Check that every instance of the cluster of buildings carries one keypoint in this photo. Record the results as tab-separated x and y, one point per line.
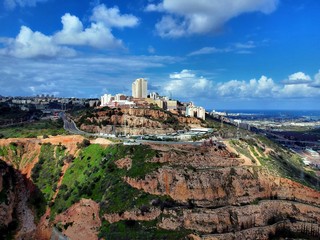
45	102
194	111
141	98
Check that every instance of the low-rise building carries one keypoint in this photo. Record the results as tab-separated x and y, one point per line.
194	111
106	99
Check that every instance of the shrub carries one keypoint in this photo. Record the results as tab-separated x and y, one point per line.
84	143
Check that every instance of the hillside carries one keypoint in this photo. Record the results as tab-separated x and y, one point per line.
134	121
239	189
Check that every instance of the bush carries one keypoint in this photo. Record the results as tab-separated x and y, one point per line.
69	158
85	143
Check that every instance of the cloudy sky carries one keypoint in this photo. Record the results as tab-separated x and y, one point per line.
230	54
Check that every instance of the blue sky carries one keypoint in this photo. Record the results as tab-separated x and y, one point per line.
249	54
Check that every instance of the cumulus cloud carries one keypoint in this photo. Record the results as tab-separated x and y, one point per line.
187	84
198	17
267	88
255	88
111	17
98	34
316	82
299	91
11	4
298	78
29	44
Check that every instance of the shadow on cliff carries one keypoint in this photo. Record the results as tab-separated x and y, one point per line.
16	188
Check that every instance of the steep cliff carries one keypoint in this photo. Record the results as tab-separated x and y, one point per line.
8	200
215	191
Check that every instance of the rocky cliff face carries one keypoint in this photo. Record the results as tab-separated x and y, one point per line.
223	199
7	196
16	217
81	221
135	121
208	191
20	199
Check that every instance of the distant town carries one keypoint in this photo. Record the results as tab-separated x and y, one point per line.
139	99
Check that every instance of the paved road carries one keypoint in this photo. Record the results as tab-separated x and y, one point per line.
70	126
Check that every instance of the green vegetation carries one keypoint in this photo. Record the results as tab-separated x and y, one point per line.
242	147
3	151
138	230
46	172
279	161
83	144
94	175
14	150
34	129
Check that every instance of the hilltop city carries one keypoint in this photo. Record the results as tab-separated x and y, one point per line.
141	98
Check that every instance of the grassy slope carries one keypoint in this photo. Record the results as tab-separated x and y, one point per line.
94	175
47	171
280	161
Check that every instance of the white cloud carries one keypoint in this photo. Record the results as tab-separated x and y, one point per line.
299	76
267	88
247	45
198	17
29	44
316	82
299	91
97	35
185	73
11	4
263	87
187	84
154	7
241	48
169	27
209	50
111	17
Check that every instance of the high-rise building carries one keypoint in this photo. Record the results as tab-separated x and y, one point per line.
140	88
